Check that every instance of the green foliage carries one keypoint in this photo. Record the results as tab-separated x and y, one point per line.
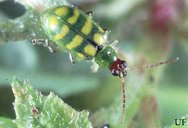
22	28
7	123
38	111
27	26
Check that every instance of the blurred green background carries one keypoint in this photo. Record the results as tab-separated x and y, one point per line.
148	31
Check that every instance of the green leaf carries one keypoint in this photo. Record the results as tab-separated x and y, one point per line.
38	111
25	27
7	123
28	26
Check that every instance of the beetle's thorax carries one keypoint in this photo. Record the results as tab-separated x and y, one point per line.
107	58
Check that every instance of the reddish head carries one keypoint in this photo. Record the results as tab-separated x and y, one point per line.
118	68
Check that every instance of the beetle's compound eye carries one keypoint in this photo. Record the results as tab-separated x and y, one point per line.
124	64
123	74
106	126
115	72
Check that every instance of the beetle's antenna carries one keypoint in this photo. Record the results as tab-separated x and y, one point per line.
123	99
154	65
140	68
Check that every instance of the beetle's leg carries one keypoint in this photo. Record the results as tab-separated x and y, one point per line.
94	67
49	47
43	42
72	59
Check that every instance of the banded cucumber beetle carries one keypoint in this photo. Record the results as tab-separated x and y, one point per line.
77	33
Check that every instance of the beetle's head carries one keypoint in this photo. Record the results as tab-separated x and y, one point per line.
118	68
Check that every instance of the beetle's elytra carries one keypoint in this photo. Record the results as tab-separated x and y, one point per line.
74	31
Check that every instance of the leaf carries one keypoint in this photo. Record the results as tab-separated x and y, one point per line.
38	111
7	123
27	26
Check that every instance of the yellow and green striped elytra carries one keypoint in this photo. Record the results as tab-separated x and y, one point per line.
73	30
77	33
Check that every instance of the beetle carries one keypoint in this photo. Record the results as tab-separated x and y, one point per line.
75	32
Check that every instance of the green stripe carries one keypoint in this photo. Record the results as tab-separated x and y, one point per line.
62	21
80	49
68	38
95	28
80	23
93	31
